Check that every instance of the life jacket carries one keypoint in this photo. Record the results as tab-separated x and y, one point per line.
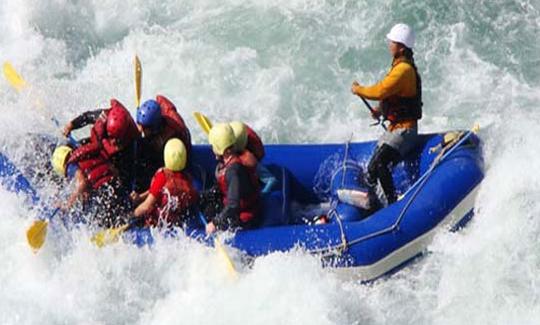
177	196
97	171
99	143
396	108
175	127
248	205
254	144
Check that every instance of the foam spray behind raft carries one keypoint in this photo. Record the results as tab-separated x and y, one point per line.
286	68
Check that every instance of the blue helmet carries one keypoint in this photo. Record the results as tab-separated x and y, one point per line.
149	114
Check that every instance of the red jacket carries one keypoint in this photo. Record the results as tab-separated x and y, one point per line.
175	194
175	127
100	144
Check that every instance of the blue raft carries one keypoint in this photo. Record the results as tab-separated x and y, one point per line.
438	184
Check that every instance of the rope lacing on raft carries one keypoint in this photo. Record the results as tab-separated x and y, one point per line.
419	184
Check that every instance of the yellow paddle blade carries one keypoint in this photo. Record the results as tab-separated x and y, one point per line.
13	77
203	121
108	236
36	234
138	77
226	257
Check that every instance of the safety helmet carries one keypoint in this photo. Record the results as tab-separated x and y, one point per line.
240	133
59	159
149	114
174	155
118	123
402	33
221	137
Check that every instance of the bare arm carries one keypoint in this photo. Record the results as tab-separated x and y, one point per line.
145	207
79	190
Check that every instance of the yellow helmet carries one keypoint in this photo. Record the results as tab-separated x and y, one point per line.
174	155
240	133
221	137
59	158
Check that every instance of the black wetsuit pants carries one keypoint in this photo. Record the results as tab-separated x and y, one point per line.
379	169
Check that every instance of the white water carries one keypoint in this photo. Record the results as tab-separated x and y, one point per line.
285	67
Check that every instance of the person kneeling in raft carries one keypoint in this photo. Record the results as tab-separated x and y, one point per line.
171	198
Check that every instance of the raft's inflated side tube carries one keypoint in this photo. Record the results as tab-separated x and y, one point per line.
348	176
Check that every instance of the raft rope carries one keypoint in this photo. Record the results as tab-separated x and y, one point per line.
419	184
344	245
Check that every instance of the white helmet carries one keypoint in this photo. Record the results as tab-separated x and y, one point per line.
402	33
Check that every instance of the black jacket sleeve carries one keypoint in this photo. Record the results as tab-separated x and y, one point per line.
89	117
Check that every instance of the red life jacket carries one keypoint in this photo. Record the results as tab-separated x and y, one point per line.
248	205
175	127
177	196
254	144
97	171
99	143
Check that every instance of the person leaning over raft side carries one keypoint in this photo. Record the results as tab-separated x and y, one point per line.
400	95
158	121
112	136
171	198
237	183
97	186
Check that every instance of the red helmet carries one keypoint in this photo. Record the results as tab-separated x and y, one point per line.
119	122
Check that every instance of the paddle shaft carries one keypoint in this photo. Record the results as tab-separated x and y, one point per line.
372	111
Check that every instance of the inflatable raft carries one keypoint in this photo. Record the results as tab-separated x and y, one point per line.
437	184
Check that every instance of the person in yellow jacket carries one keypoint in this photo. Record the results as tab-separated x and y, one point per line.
400	96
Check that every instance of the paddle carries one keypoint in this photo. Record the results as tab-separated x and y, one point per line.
203	121
13	77
17	82
112	235
380	122
37	232
221	250
138	77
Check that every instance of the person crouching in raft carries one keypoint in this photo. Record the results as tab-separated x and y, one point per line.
158	121
171	198
112	136
400	95
250	151
97	186
238	183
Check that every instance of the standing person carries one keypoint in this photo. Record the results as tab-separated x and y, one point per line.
237	183
400	96
158	121
112	137
171	197
97	186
